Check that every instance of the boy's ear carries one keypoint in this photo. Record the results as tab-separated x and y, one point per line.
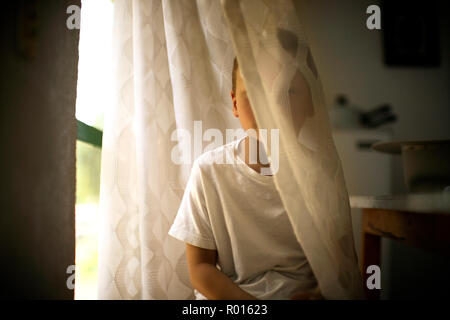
233	99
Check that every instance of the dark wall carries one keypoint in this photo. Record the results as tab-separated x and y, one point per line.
38	76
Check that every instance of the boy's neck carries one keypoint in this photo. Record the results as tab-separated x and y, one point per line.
260	163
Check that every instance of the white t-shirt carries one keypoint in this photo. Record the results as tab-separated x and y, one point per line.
237	211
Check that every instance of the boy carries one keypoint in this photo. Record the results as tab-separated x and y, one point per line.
239	241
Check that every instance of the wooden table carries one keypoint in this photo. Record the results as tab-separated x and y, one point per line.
420	220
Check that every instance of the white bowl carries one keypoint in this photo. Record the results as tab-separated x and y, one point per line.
426	164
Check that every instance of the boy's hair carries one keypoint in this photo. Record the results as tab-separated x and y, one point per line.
288	41
233	75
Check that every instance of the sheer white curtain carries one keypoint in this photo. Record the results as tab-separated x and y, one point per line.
285	92
173	67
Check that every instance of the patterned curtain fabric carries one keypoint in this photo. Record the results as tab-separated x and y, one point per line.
173	69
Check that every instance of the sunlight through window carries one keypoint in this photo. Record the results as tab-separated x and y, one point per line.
93	96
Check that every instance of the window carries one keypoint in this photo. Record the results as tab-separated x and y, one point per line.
93	96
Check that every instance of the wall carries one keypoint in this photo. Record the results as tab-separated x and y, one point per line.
349	58
38	134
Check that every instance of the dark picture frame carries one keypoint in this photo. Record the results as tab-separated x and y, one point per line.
410	33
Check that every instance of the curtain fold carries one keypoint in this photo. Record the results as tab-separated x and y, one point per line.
173	70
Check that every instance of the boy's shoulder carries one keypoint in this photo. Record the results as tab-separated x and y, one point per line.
209	166
219	155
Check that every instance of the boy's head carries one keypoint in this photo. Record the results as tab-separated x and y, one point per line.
241	104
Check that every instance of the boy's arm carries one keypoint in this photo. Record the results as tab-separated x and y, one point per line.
210	281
